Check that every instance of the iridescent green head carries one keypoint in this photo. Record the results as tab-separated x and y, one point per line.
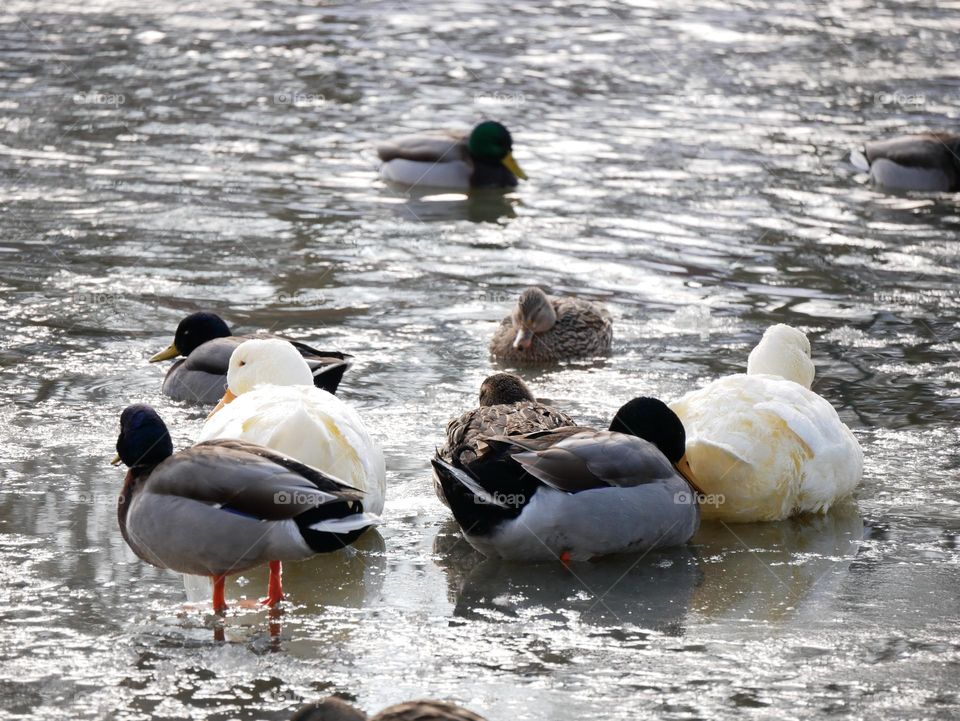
490	142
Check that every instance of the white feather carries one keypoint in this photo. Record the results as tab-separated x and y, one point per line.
347	524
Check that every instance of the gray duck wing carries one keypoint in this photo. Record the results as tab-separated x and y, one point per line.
425	147
466	434
213	356
248	479
931	150
574	460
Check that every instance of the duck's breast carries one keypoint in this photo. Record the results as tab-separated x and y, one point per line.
454	174
889	174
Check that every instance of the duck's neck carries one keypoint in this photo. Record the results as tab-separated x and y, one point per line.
131	485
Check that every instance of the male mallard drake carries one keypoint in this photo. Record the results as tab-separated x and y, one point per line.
576	493
507	408
927	161
333	709
452	159
271	400
762	443
225	506
542	329
206	342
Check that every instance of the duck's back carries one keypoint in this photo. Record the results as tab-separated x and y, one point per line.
769	447
308	424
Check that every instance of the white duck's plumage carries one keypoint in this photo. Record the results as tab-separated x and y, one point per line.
278	407
762	445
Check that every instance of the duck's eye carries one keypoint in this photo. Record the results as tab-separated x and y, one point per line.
242	363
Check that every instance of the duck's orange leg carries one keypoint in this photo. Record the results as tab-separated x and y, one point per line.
274	585
219	602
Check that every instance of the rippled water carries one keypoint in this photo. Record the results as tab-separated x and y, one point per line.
688	167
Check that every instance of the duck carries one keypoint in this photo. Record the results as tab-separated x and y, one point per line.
271	400
507	407
452	159
545	329
224	506
925	161
205	342
762	444
335	709
577	493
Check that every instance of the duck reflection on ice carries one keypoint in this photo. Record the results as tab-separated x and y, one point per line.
346	578
653	591
773	571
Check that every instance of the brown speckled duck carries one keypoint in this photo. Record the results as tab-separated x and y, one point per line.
507	408
333	709
542	329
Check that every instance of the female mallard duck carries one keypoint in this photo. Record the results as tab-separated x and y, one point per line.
542	329
507	408
271	401
928	161
452	159
225	506
333	709
765	446
206	342
577	493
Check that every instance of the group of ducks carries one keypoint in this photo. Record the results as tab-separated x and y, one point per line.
284	469
483	158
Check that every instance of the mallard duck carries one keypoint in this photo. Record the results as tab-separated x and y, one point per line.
333	709
543	329
763	445
452	159
927	161
206	342
224	506
577	493
271	400
507	408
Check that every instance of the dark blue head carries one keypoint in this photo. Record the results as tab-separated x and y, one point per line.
198	328
652	420
144	439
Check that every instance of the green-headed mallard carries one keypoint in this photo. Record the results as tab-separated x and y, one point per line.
763	445
271	400
206	342
224	506
577	493
543	329
926	161
452	159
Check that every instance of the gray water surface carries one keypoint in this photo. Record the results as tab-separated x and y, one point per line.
688	168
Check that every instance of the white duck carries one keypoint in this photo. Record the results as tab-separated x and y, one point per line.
762	445
271	400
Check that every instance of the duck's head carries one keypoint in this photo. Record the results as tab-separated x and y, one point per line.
534	314
783	351
264	361
192	332
144	439
503	389
329	709
491	142
652	420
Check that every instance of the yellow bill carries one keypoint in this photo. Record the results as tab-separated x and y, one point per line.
166	354
684	469
115	461
512	165
227	397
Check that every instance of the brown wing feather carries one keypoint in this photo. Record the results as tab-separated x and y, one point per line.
426	711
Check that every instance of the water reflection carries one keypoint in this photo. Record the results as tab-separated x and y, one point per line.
651	592
775	571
